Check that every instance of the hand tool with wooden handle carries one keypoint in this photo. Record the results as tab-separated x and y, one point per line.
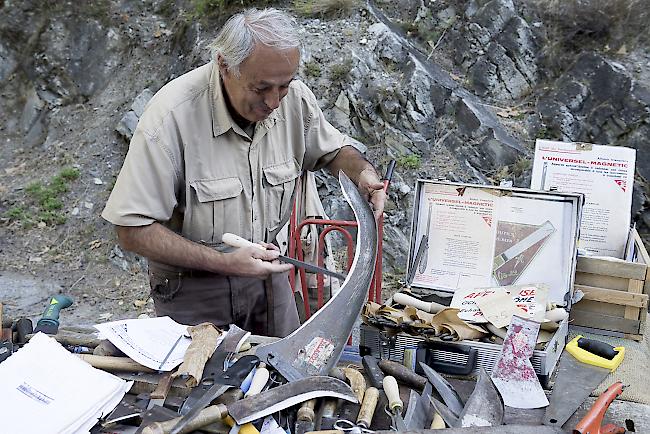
408	300
306	417
237	241
158	396
402	374
395	404
263	404
368	406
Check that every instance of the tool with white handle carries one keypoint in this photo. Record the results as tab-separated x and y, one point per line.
237	241
408	300
395	404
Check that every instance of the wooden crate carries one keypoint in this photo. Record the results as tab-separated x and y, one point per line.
616	294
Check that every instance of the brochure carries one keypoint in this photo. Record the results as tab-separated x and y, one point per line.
605	175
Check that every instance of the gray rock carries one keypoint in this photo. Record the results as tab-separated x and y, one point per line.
141	101
126	126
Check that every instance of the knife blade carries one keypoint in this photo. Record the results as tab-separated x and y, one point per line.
237	241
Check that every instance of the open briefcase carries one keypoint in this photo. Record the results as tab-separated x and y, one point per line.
466	236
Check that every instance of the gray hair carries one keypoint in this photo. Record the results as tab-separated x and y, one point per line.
238	37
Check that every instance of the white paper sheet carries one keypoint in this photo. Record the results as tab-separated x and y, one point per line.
605	175
149	340
44	388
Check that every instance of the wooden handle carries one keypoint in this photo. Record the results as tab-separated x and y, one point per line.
402	373
109	363
237	241
392	393
162	389
207	416
408	300
259	381
357	382
437	422
368	406
306	411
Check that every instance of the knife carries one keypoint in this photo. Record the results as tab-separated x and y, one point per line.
539	234
422	266
237	241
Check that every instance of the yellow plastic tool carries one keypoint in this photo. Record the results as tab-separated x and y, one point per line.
584	356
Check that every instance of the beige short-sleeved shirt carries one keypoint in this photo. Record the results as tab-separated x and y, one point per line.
191	168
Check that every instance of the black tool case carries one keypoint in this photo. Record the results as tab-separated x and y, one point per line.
450	215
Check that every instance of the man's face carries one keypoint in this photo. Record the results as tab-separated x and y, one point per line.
263	81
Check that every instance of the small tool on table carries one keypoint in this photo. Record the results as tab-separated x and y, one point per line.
395	404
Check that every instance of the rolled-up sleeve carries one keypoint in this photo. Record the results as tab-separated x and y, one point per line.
145	190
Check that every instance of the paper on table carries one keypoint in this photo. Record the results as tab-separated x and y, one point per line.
148	340
46	389
530	299
499	308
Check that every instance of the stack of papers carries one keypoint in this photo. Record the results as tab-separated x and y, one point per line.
46	389
157	343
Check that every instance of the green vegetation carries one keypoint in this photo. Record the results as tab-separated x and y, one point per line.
340	71
409	162
311	8
43	202
209	8
312	69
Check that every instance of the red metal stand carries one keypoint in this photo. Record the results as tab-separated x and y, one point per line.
295	251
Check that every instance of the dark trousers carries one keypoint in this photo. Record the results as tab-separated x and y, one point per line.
262	307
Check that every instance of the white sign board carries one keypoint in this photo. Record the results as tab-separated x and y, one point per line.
605	175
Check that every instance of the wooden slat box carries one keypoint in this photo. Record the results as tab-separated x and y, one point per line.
616	294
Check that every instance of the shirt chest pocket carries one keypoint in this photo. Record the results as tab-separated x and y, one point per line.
215	209
279	185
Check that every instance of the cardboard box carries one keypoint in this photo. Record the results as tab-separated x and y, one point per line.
616	294
471	234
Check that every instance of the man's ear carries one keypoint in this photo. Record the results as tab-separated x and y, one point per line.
223	68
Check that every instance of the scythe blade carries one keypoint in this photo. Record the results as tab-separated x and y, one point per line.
316	346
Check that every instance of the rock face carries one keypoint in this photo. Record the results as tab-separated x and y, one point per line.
444	88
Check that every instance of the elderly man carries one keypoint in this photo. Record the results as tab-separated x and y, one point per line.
219	150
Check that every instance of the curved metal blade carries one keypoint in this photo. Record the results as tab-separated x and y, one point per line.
484	406
444	389
287	395
316	346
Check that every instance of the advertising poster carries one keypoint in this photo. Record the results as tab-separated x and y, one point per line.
605	175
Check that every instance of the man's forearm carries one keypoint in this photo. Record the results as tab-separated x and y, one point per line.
160	244
351	162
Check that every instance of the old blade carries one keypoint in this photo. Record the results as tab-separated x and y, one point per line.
289	394
484	406
410	408
316	346
444	389
514	375
423	413
447	415
213	393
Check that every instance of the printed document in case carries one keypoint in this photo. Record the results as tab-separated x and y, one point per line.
605	175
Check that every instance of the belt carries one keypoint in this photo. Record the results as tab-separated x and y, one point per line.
171	271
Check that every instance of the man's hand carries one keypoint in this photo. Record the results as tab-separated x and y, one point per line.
255	262
373	190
